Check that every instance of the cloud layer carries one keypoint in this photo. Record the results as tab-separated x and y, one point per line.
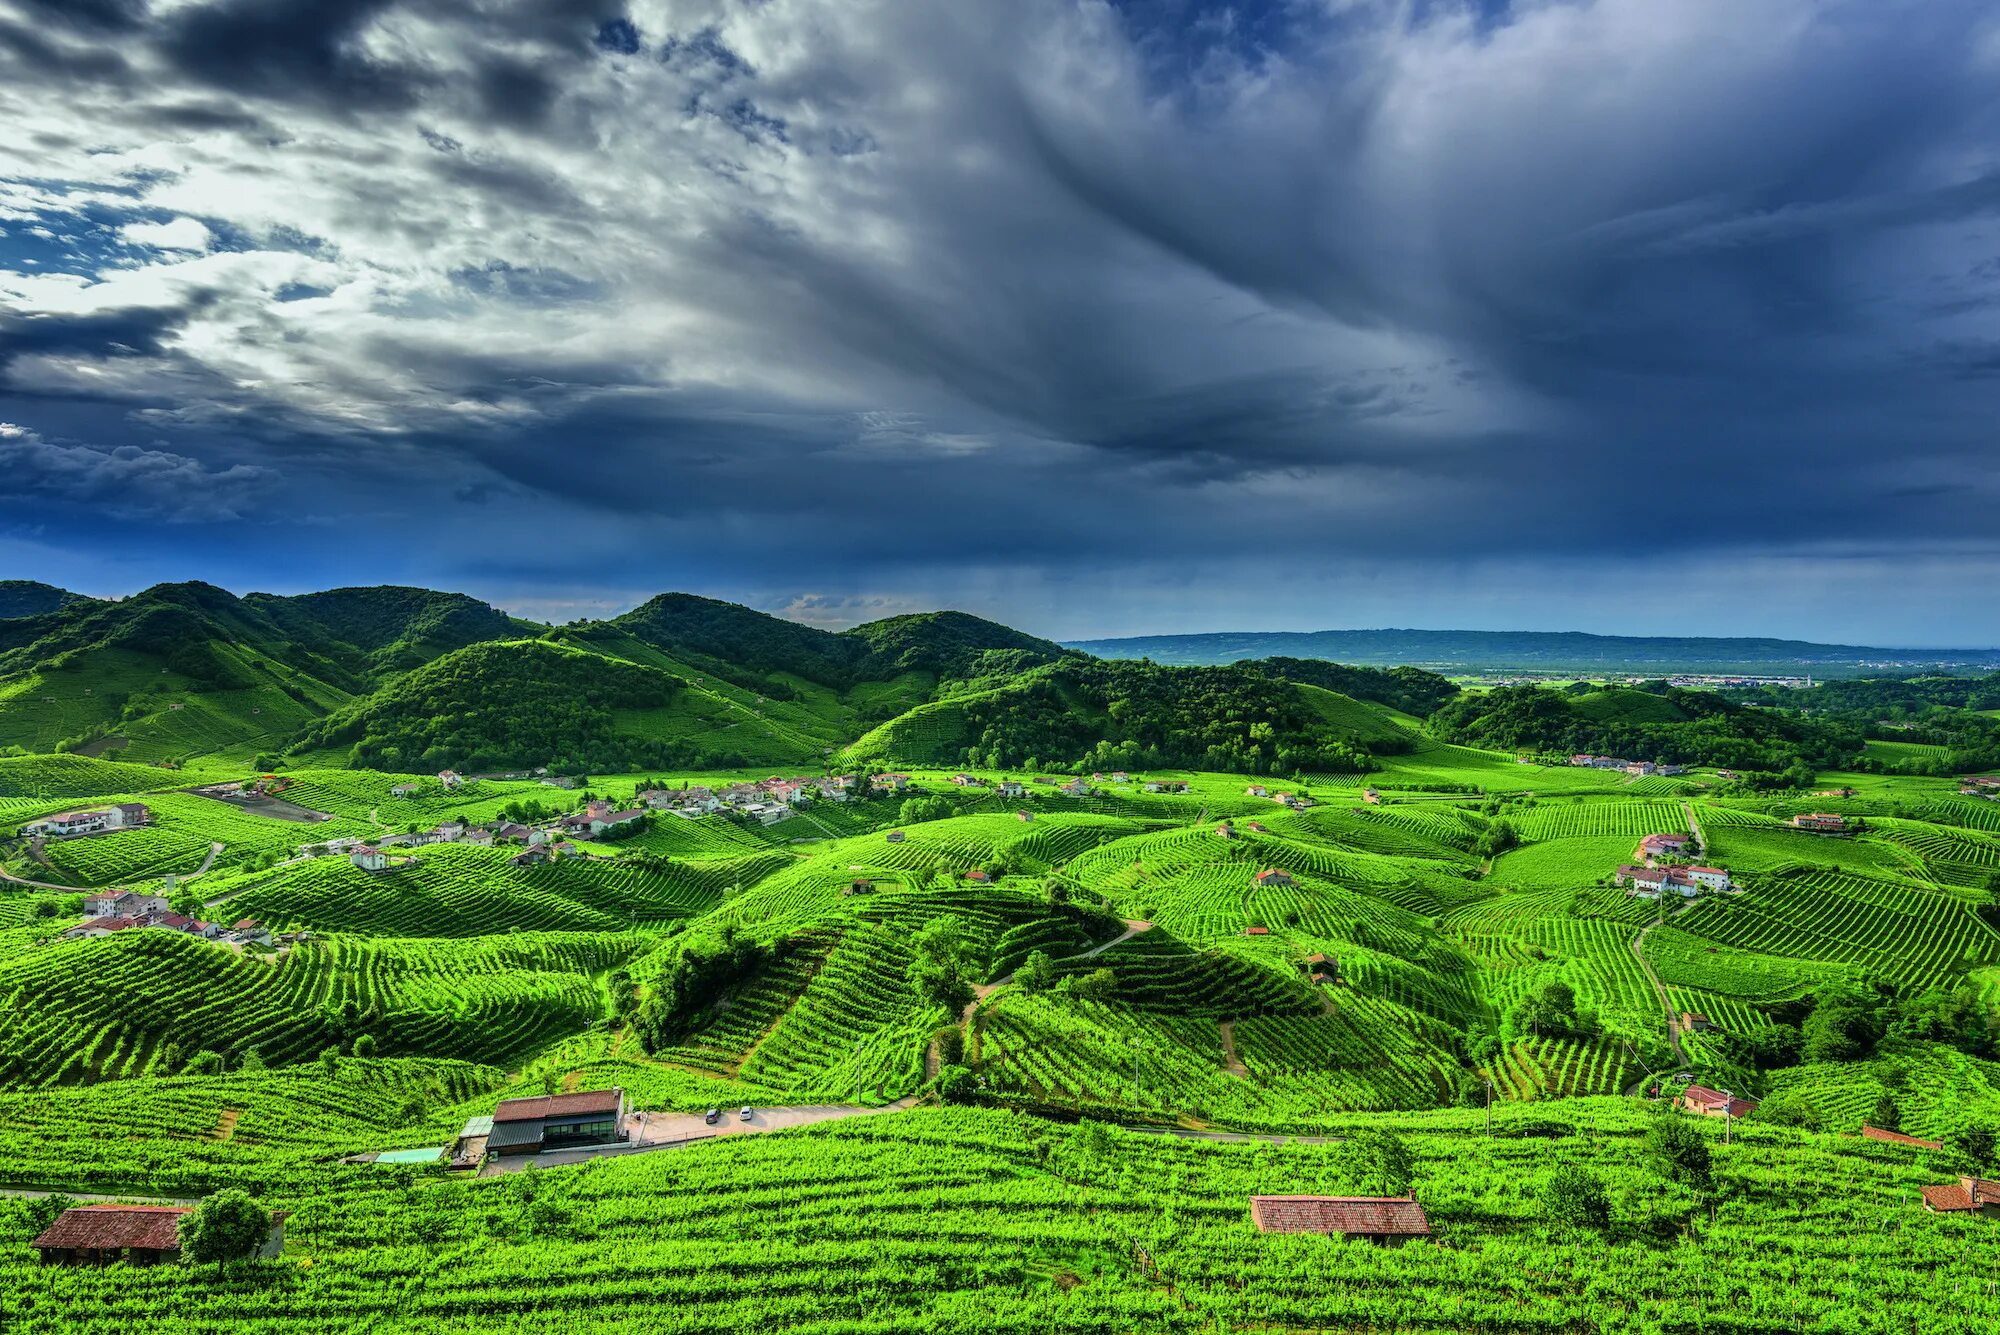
1259	315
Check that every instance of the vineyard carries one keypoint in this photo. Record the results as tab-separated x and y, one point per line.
1386	976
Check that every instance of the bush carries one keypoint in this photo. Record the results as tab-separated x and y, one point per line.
225	1227
1573	1197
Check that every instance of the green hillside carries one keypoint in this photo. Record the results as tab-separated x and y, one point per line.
386	629
28	598
509	705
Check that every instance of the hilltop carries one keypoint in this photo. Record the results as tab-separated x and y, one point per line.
28	598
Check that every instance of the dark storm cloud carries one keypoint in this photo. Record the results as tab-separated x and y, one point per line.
897	289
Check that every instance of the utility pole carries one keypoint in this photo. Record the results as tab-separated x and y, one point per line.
857	1071
1728	1103
1489	1105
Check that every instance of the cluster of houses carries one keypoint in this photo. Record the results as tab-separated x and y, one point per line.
1980	785
1633	767
1293	800
129	910
100	820
1821	822
766	801
1651	874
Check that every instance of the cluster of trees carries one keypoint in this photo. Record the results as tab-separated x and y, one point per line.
1710	730
1855	1022
506	706
698	974
1082	714
1408	689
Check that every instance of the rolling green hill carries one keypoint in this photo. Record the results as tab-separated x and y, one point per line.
28	598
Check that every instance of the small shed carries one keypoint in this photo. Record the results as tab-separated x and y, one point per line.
1389	1221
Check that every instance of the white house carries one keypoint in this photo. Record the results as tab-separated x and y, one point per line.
451	778
403	790
68	824
369	858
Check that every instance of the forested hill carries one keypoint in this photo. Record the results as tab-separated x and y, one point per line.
1664	724
744	645
27	598
949	644
1551	651
509	705
388	628
1087	714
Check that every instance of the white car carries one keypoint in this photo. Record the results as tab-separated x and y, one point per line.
745	1114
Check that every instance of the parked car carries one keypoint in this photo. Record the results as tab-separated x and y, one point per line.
712	1116
745	1114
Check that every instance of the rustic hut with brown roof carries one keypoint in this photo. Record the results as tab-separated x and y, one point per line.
1387	1220
101	1234
1898	1138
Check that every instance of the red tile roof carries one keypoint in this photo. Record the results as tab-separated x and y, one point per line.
558	1105
1898	1138
104	1227
1390	1215
1713	1101
1950	1196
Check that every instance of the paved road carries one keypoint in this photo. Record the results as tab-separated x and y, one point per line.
670	1131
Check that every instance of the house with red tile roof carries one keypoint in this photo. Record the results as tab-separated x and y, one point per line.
1273	876
1967	1195
1386	1220
1713	1102
135	1234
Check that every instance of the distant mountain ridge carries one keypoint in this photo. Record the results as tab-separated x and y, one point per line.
1487	650
29	598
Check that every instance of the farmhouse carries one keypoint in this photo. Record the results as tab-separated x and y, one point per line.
1255	827
1322	968
1166	786
1969	1194
1683	881
1371	797
1077	787
1664	845
893	782
1694	1022
403	790
895	836
1024	815
967	781
249	929
71	824
1120	776
1274	876
126	903
1256	930
1898	1138
1820	822
1713	1102
558	1121
978	877
102	927
1011	788
451	778
616	820
534	855
368	857
1256	790
1389	1221
1226	830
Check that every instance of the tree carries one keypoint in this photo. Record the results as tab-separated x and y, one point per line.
227	1226
938	973
1384	1160
1038	972
45	1210
1679	1150
1572	1197
364	1045
955	1085
917	810
1100	984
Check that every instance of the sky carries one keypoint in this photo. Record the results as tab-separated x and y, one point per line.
1094	318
